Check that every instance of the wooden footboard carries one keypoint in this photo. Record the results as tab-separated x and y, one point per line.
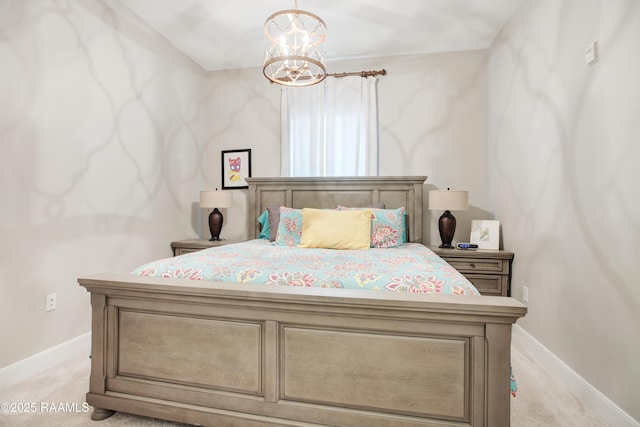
231	354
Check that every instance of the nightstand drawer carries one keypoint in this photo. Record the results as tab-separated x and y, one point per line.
181	251
487	284
182	247
489	271
480	265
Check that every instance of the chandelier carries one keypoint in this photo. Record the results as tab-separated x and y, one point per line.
294	48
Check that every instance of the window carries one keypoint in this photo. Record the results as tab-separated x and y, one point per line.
330	129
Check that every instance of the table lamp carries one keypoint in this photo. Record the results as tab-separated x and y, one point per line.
448	201
214	200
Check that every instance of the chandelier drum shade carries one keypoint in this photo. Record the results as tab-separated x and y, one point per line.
295	44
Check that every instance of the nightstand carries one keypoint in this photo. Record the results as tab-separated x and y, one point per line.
182	247
489	271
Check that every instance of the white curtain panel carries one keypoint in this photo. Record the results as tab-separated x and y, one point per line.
330	129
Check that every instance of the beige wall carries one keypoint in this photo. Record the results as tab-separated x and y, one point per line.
565	147
422	101
101	126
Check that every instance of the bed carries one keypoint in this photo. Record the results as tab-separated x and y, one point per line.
232	354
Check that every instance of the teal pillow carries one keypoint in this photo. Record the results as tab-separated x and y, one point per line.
264	225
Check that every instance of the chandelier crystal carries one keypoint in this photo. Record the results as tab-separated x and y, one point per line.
295	43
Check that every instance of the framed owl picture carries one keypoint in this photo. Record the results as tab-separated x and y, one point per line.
236	166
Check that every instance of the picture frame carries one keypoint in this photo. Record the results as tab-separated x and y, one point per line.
485	234
236	166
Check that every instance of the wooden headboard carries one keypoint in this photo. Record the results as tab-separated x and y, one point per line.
329	192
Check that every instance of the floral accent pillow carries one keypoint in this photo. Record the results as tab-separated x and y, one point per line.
388	228
290	227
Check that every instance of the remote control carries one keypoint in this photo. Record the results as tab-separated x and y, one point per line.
467	246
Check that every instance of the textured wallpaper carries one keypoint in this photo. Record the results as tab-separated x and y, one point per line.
101	129
564	150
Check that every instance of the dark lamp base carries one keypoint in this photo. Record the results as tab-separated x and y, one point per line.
447	229
215	224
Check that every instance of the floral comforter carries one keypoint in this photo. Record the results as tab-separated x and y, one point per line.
411	267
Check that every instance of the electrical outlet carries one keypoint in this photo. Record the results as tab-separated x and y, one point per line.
525	293
50	302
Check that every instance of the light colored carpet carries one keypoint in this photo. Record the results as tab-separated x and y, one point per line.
541	400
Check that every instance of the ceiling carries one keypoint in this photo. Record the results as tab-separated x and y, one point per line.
228	34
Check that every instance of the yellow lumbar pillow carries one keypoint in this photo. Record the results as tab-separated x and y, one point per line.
332	229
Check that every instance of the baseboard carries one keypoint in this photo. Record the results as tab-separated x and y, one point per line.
595	400
44	360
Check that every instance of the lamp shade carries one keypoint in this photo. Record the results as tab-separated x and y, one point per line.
448	200
216	199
